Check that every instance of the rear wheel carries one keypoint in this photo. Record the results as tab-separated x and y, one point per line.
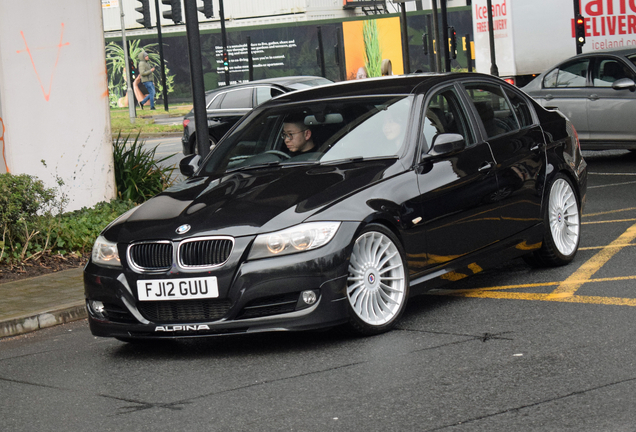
562	225
377	286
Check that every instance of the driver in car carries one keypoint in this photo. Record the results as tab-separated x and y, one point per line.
297	137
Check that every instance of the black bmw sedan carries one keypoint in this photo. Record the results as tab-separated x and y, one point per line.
332	206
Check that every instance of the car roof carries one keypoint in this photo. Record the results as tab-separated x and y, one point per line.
392	85
281	81
619	52
615	51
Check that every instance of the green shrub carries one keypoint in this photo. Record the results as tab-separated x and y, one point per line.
77	230
26	209
32	217
138	175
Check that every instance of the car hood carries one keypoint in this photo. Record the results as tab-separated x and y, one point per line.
247	202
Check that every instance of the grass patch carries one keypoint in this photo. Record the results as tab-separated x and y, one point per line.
145	121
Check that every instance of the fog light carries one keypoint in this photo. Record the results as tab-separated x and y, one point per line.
97	308
309	297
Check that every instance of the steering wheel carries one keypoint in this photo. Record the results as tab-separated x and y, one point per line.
283	155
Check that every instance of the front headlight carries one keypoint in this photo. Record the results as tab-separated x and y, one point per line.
105	253
300	238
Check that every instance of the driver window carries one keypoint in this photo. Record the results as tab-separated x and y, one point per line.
444	114
607	71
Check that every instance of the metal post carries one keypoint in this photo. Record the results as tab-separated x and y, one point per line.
469	53
438	58
250	60
224	39
342	73
129	92
494	70
430	47
444	41
321	55
163	68
196	77
405	42
577	12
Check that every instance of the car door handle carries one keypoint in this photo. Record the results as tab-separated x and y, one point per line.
548	97
593	97
486	166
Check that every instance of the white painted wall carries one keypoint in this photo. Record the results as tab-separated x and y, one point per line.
54	100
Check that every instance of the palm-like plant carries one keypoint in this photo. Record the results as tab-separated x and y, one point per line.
116	64
372	50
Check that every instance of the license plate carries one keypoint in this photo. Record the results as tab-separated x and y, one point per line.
178	289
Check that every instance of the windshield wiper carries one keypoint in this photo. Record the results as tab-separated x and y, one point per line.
357	159
300	163
255	166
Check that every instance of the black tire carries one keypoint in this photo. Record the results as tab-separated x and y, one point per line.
378	282
562	222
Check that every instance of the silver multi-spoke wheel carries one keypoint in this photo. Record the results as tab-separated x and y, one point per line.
562	226
563	216
377	283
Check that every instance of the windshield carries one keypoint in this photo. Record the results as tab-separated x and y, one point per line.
315	132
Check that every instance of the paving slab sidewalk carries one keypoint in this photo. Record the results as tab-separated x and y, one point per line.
44	301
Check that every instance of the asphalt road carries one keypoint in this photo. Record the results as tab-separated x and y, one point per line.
511	348
169	147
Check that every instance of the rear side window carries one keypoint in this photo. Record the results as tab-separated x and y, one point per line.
264	94
493	108
520	108
573	74
237	99
216	101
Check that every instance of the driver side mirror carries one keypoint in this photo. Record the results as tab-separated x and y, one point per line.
623	84
189	164
447	143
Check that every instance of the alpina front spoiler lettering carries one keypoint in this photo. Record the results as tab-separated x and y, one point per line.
181	328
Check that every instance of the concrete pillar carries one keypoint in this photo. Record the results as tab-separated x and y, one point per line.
54	113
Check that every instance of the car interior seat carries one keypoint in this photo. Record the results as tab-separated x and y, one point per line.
487	115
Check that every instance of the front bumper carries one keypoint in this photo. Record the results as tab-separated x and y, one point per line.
254	296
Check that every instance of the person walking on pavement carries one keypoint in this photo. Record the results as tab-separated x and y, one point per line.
147	79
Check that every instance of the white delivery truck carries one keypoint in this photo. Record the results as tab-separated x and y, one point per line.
533	35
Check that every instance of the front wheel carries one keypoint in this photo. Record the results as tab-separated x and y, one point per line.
377	286
562	225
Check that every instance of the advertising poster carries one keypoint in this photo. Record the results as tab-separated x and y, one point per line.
368	42
608	24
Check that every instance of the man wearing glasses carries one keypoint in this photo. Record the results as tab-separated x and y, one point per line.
297	136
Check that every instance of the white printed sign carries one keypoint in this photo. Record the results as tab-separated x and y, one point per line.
110	3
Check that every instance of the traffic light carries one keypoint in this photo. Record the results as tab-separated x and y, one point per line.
144	9
452	34
175	11
207	9
580	30
226	62
133	69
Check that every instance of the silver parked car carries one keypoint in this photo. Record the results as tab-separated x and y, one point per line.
597	92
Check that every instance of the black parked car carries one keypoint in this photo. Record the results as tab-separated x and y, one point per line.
410	181
226	105
597	93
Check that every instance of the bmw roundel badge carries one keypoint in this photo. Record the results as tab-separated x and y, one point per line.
183	229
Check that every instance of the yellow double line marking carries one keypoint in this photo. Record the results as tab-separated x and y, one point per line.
566	290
